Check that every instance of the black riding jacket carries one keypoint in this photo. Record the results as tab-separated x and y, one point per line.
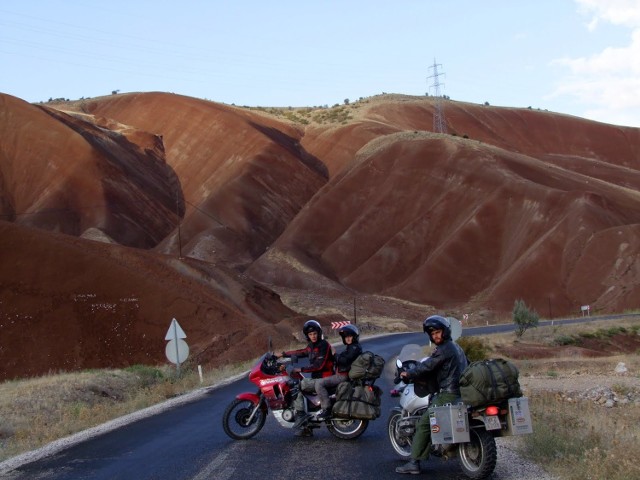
345	358
447	363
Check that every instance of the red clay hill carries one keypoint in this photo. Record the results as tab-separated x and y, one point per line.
120	213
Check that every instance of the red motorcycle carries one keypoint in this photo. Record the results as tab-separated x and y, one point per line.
277	387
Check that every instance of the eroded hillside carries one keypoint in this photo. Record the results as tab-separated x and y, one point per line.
211	208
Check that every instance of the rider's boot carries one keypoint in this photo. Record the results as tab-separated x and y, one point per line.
300	419
412	466
300	428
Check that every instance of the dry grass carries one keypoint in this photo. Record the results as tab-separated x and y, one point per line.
549	335
576	438
582	440
36	411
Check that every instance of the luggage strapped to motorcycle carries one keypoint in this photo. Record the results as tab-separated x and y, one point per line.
358	399
367	367
489	381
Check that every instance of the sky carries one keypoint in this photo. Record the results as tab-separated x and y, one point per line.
576	57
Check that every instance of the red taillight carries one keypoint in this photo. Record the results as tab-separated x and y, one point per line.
492	410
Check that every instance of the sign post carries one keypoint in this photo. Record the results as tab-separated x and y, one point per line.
177	349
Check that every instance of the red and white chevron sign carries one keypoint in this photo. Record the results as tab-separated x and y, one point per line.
335	325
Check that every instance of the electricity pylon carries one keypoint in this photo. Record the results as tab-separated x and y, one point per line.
439	122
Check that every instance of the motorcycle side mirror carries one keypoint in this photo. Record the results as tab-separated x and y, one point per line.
398	363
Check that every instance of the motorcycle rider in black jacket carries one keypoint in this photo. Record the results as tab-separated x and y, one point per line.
350	335
446	362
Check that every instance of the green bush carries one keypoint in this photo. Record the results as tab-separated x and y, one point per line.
565	340
610	332
589	335
523	317
474	348
148	375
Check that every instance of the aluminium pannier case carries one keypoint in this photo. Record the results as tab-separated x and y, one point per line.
449	424
519	417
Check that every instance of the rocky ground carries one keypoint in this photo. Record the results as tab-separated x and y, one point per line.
603	370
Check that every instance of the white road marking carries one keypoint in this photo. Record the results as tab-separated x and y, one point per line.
214	468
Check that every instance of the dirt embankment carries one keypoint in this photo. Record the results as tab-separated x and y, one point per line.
603	370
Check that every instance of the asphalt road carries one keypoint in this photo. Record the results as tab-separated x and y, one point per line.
187	442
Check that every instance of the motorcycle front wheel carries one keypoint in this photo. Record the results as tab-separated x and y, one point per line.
347	428
237	421
478	456
402	445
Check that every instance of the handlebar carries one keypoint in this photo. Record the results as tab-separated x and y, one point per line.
274	365
405	366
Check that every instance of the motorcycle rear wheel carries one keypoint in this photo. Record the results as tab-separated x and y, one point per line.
235	420
347	429
478	456
402	445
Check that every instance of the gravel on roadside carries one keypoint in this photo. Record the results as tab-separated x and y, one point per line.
511	465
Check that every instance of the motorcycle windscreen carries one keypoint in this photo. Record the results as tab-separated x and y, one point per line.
412	351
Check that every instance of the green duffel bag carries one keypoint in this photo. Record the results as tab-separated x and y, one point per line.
367	366
489	381
361	402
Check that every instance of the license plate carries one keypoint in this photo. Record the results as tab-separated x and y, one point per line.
492	422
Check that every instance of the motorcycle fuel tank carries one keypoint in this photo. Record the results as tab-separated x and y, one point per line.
412	402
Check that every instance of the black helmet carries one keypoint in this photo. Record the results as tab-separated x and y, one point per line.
436	322
349	330
312	326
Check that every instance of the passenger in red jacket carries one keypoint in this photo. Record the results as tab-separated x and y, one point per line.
321	364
